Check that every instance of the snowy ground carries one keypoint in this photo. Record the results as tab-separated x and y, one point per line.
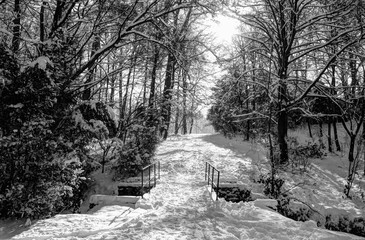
180	207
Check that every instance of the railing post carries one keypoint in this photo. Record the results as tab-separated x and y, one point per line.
219	173
205	172
142	183
208	174
149	177
154	173
212	178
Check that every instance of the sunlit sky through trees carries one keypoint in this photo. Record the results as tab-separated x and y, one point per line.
223	29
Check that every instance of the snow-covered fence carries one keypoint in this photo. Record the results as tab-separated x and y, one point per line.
209	176
153	168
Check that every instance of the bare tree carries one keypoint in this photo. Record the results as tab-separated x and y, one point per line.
293	30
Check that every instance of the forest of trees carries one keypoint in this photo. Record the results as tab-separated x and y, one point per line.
121	75
295	62
81	74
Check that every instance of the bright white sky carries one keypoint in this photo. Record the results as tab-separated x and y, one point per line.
223	28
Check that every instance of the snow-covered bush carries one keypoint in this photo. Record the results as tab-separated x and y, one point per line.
272	185
300	154
301	212
96	118
235	194
38	177
346	224
311	149
42	140
296	212
138	149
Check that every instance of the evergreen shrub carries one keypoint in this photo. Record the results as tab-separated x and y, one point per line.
346	224
272	185
301	213
43	148
139	147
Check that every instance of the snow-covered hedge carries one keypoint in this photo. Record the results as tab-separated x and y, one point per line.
137	151
335	221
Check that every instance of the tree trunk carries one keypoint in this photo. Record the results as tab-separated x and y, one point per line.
353	72
191	125
144	98
177	115
363	123
16	27
133	84
185	89
100	93
122	120
282	120
352	166
334	92
248	124
248	121
320	129
254	101
112	88
335	135
329	138
191	114
248	130
86	95
177	125
283	64
363	137
167	95
352	148
309	128
56	17
120	94
152	120
282	133
41	27
126	91
106	96
156	56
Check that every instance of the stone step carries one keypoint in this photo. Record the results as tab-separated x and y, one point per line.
99	199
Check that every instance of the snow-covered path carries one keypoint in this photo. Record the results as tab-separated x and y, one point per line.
180	206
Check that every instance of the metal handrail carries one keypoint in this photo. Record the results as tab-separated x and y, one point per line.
154	178
209	175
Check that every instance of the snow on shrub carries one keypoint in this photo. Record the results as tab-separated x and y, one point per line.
235	194
299	211
272	185
139	147
344	223
38	178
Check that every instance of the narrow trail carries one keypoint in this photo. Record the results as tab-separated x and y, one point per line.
180	206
